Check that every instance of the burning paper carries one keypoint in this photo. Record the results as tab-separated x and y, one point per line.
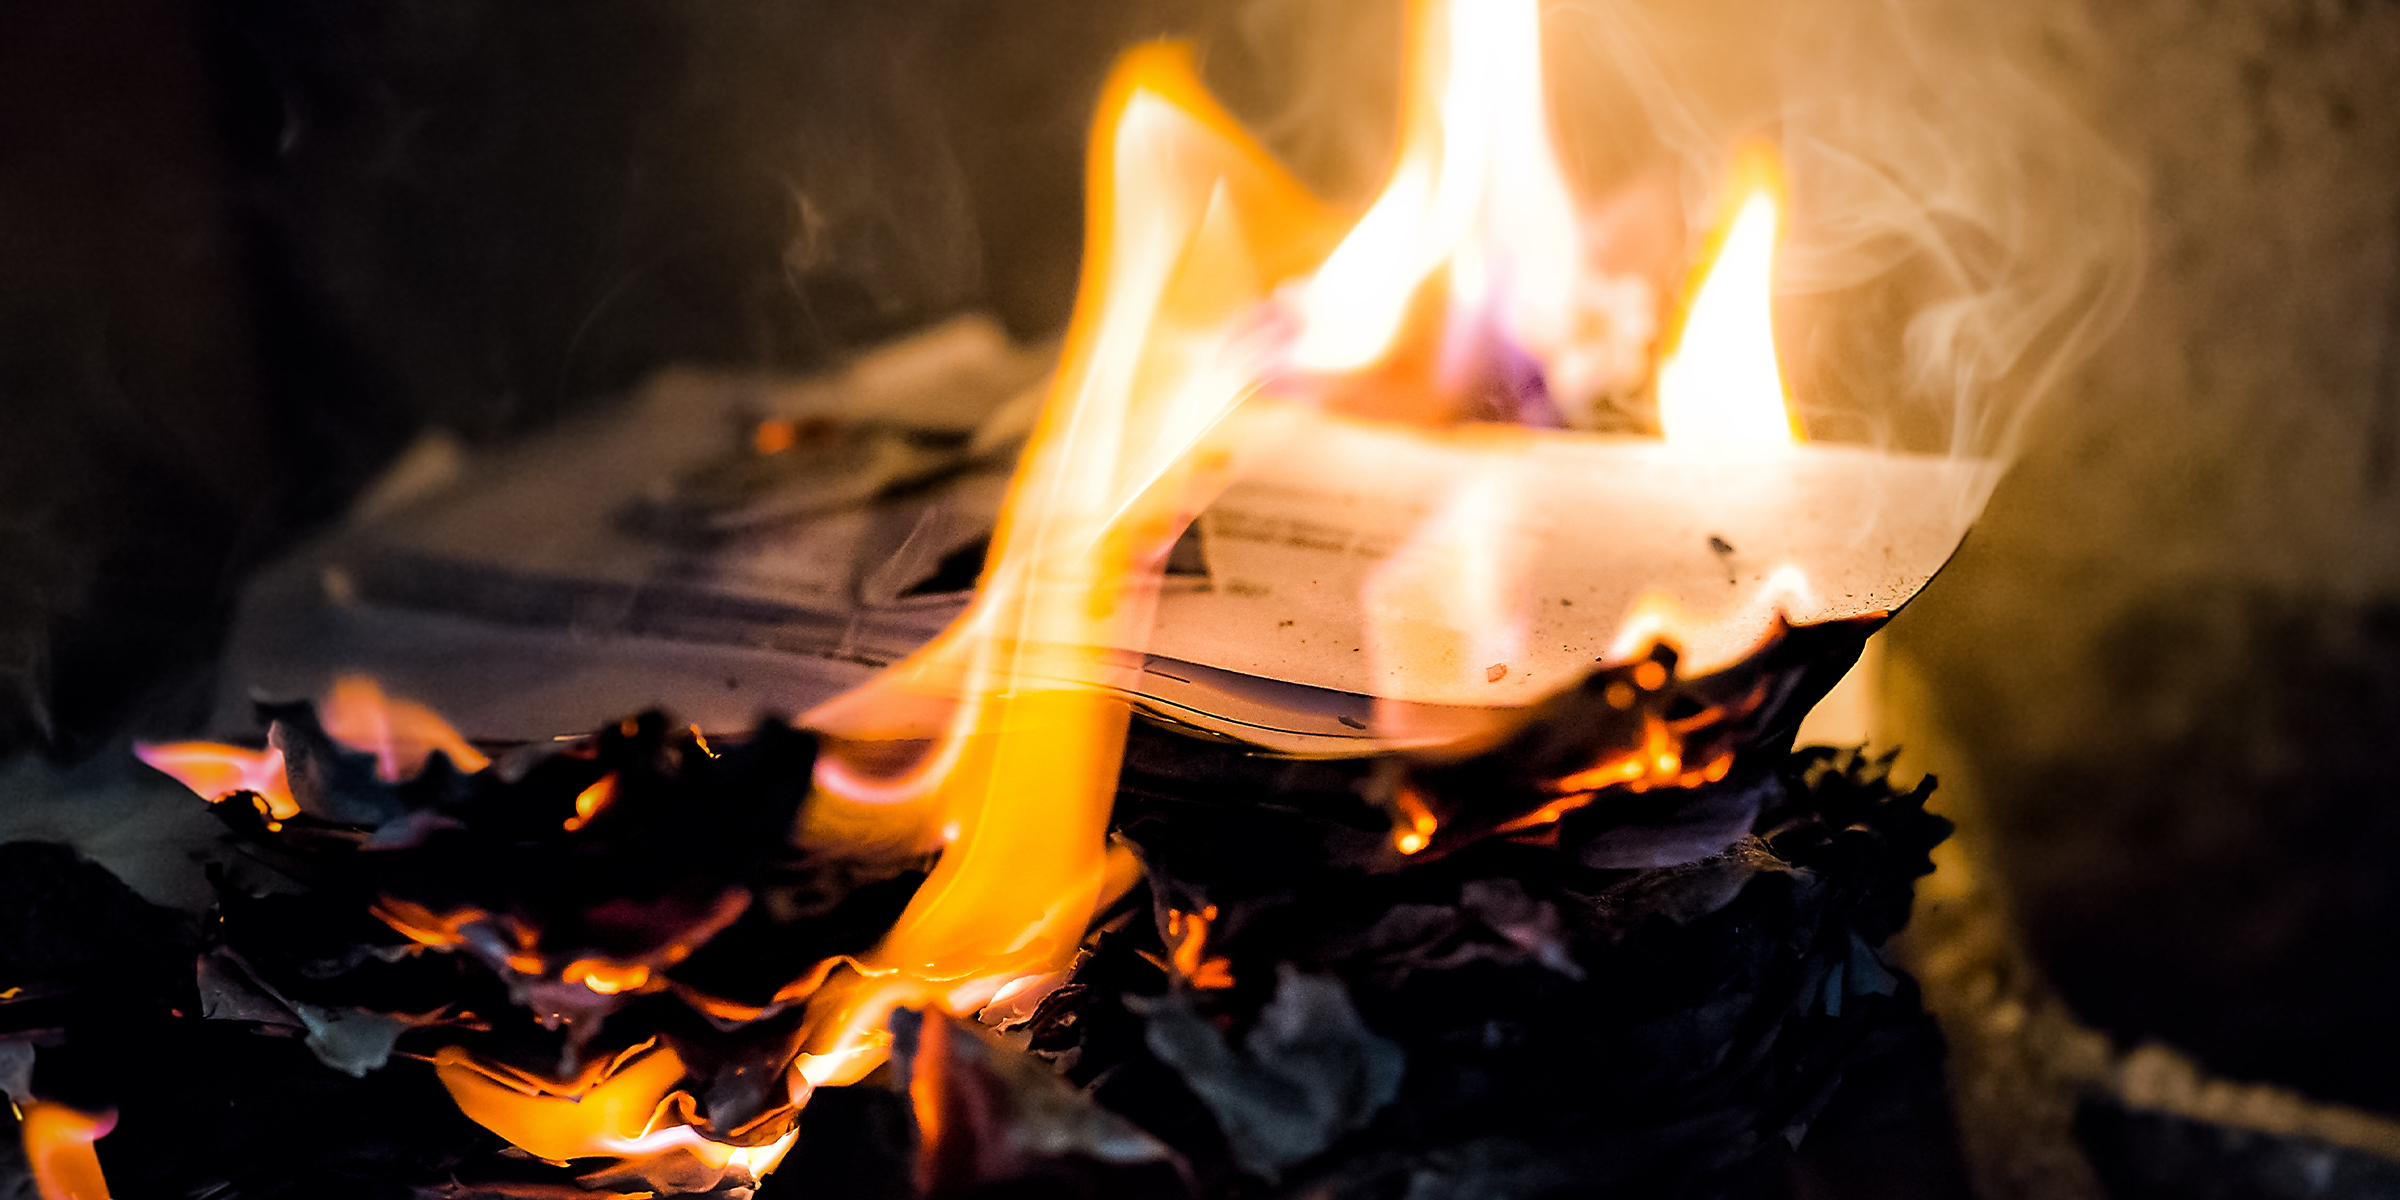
1356	410
1223	313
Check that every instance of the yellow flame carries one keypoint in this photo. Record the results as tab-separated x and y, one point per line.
999	742
1191	227
1722	386
1476	188
1016	713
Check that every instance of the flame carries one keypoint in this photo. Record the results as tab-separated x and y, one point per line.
1658	617
606	978
401	734
424	926
1209	272
624	1107
1192	227
216	772
1476	189
1187	949
1415	825
58	1147
1722	386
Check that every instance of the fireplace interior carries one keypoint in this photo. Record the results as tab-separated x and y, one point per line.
478	448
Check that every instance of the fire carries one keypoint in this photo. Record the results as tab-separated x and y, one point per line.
1187	951
621	1108
1443	608
1210	276
1192	227
218	772
591	800
58	1147
1722	386
1477	190
401	734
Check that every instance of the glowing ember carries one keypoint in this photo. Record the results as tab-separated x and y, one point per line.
1187	945
591	800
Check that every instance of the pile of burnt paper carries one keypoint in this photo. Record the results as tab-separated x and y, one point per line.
1655	1001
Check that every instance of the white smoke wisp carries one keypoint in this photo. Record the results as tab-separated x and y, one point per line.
1318	82
1960	237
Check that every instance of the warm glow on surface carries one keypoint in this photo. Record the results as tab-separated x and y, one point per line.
1722	386
1444	609
58	1147
1477	189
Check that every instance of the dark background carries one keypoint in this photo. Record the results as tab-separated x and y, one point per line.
250	248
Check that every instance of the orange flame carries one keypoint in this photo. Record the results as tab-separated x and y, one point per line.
591	800
401	734
1192	227
1208	270
624	1107
216	772
58	1147
425	927
1187	950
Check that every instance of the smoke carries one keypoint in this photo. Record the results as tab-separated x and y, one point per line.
1317	81
1948	195
1959	239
